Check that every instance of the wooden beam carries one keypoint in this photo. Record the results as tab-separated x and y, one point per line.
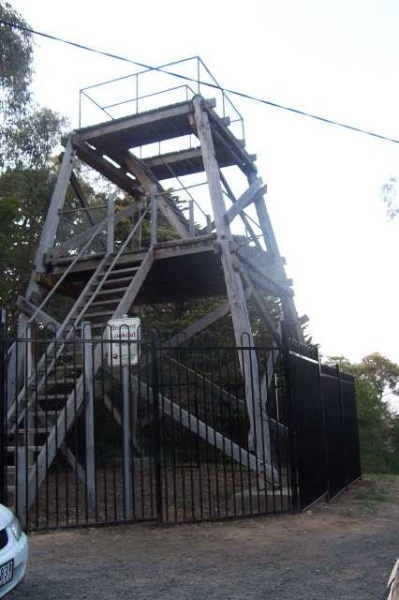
31	309
124	124
290	312
259	432
77	188
263	308
49	230
245	199
118	418
264	278
243	216
147	180
257	463
96	161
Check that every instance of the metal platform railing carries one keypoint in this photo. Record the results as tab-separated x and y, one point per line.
151	88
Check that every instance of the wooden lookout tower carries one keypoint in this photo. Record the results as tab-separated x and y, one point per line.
185	218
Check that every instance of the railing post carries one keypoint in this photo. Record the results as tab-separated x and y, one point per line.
110	223
127	476
191	218
293	453
157	440
154	214
327	461
89	413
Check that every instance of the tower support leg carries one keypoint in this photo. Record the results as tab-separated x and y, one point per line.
259	435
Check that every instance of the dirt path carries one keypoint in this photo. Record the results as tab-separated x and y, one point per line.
341	551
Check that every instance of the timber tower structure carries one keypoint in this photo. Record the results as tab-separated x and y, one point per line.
184	217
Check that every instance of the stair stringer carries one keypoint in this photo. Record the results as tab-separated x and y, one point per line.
68	414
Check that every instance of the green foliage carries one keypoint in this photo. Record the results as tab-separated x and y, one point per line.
381	372
375	375
24	195
28	135
15	62
31	138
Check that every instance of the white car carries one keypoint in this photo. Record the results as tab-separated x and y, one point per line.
13	551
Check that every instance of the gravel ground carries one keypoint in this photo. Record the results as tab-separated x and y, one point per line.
342	550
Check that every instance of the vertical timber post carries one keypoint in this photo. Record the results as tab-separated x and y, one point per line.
289	309
259	428
127	480
157	442
154	214
110	223
89	413
53	215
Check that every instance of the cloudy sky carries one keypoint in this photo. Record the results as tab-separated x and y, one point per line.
335	58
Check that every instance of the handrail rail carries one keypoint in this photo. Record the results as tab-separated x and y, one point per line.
163	70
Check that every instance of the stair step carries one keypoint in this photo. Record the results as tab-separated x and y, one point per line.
102	302
31	430
111	291
10	469
52	396
94	315
52	381
125	270
116	280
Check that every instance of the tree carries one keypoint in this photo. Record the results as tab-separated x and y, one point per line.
16	53
28	135
31	139
378	424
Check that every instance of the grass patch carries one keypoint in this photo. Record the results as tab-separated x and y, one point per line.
373	490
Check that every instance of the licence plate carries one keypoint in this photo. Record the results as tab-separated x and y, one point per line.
6	572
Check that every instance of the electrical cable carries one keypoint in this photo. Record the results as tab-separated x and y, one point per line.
296	111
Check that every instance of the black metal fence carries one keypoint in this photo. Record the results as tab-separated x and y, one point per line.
96	432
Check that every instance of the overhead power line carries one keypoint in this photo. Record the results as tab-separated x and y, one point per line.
296	111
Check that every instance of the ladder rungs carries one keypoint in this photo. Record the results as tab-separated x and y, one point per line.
125	270
116	280
111	291
102	302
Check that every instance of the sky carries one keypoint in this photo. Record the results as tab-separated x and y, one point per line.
335	58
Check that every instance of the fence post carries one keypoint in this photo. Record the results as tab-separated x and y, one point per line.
340	400
157	433
3	405
291	423
90	461
325	440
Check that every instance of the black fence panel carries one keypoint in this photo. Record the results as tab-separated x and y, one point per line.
307	423
75	454
334	433
209	468
350	425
